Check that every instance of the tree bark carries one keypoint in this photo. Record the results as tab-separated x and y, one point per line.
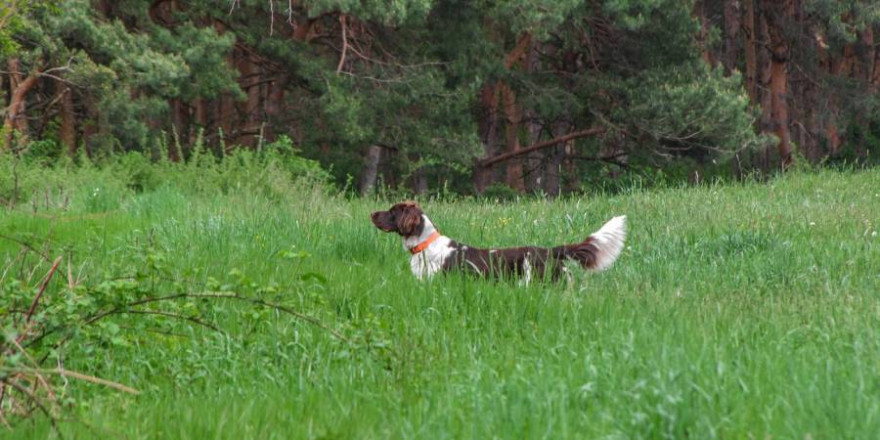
763	87
523	45
179	120
570	180
699	13
273	105
19	89
488	134
68	120
843	65
534	162
869	58
552	183
512	110
513	118
779	56
247	113
750	49
370	171
731	34
420	182
874	80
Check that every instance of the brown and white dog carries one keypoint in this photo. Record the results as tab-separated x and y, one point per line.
433	252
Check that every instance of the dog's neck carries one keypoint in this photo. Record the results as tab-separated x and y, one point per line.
428	229
430	260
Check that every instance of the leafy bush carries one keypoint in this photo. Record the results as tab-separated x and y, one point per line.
276	171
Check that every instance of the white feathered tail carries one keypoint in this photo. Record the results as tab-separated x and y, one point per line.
608	240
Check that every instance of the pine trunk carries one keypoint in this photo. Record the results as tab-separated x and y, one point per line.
699	13
512	120
779	55
488	134
68	121
731	35
763	88
420	182
874	80
870	58
15	120
370	171
751	51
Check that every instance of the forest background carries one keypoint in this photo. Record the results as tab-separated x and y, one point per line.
548	96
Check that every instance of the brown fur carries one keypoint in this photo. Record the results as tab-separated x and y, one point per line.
405	218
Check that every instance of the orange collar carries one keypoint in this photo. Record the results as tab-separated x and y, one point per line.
424	245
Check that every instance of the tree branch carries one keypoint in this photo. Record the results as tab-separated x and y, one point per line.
33	308
219	295
489	161
344	43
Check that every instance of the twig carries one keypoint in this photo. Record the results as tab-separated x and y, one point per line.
26	245
612	159
175	316
152	330
578	134
289	311
30	312
39	376
75	375
272	17
35	400
399	79
344	43
278	307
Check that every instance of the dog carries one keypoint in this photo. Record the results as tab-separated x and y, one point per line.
433	252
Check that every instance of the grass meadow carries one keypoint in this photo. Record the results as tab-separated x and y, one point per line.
735	311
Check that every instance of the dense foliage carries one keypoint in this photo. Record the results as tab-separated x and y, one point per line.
546	96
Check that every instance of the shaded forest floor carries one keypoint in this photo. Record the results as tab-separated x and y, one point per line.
735	311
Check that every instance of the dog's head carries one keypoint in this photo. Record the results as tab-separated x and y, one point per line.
404	218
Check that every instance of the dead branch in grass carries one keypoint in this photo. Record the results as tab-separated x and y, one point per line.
220	295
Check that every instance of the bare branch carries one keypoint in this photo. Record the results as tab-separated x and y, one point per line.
175	316
344	43
271	17
62	372
30	312
33	399
314	321
26	246
540	145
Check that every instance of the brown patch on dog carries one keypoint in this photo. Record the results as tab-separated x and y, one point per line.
405	218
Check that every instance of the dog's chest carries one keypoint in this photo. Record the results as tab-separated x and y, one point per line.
430	261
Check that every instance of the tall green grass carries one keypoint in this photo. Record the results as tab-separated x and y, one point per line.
735	311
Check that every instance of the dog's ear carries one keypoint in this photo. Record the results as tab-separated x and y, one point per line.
410	220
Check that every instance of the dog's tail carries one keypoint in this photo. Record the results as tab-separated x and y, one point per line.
600	249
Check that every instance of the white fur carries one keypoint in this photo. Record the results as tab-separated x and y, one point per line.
527	272
429	261
609	240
